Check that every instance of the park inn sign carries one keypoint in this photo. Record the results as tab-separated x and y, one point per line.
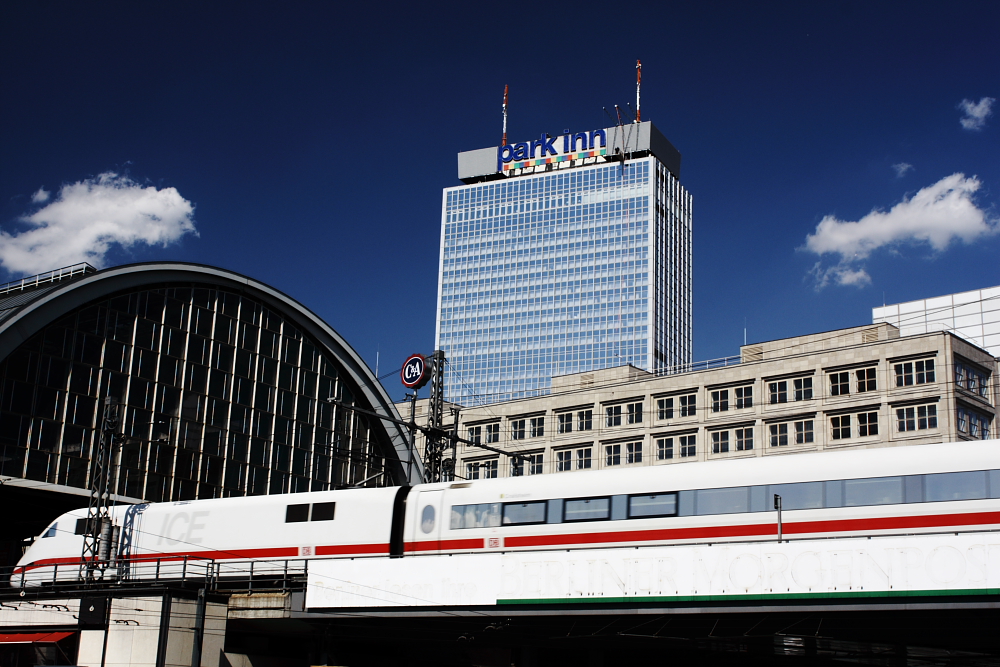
572	146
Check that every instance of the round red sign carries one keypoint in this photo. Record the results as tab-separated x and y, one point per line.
415	372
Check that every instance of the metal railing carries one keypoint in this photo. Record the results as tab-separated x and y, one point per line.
695	366
53	276
221	576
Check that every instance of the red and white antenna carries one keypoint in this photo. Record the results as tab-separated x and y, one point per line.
638	84
504	140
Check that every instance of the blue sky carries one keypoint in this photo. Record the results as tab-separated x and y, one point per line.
307	144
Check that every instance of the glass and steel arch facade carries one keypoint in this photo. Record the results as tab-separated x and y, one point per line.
563	272
222	391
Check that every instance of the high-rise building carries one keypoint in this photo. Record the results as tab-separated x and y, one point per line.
563	255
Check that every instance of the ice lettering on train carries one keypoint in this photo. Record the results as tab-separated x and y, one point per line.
183	528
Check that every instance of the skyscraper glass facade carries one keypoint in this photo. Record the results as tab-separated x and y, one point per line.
564	271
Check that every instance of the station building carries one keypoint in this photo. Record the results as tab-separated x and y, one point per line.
851	388
222	383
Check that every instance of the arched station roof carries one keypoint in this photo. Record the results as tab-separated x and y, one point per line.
24	314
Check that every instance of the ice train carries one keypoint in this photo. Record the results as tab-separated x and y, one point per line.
953	487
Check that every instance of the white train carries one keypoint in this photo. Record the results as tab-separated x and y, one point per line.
900	490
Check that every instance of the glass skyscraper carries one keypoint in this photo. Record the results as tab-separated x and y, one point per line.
563	264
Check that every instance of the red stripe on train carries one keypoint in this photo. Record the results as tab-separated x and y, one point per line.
352	549
438	545
894	522
798	527
643	535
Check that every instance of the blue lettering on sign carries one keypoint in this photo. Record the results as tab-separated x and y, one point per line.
599	133
546	145
535	145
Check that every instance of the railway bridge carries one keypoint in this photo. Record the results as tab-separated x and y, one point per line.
885	600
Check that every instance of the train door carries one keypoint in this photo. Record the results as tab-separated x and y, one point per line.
427	527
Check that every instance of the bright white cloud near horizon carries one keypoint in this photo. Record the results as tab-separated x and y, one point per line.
976	113
85	219
936	215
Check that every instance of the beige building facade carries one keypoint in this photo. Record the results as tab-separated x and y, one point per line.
859	387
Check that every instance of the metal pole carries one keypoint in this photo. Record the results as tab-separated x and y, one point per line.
413	434
777	506
107	629
199	629
638	85
164	635
503	141
455	413
102	481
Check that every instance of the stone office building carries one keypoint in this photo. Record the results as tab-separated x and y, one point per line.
858	387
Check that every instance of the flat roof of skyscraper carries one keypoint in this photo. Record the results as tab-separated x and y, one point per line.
575	149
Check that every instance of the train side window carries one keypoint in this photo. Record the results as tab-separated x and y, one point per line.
297	513
799	496
833	493
873	491
994	481
759	498
913	489
51	531
730	500
323	512
956	486
482	515
524	513
81	527
555	511
587	509
646	506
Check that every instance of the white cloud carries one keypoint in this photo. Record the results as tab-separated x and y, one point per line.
937	215
40	197
86	218
902	168
839	274
976	113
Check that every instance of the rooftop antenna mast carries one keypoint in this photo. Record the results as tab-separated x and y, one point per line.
504	140
638	85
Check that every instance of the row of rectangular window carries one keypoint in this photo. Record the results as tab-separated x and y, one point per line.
799	432
300	513
801	389
971	379
973	423
798	389
861	492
